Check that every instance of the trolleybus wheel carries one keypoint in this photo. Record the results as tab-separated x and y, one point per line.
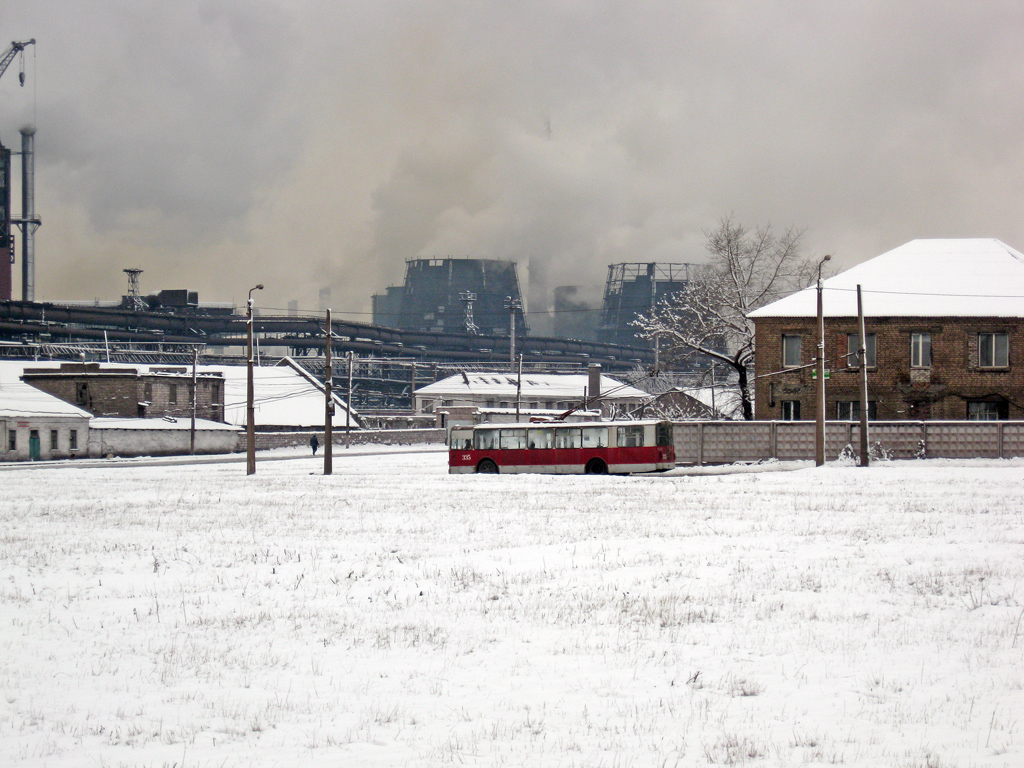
596	467
487	467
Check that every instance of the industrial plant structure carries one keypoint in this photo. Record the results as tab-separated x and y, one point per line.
635	289
433	297
6	240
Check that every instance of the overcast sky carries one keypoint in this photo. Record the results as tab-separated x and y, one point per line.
320	143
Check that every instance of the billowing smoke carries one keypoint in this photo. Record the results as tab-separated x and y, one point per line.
221	143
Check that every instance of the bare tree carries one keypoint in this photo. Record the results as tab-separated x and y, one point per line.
747	269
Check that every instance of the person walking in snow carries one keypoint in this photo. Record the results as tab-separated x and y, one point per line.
314	444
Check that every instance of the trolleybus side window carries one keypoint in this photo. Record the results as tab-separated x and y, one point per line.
485	439
462	439
630	437
595	437
663	434
512	439
568	437
541	438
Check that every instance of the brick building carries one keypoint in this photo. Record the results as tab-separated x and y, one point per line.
128	393
944	322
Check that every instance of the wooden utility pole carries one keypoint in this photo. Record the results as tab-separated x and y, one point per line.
348	404
865	459
192	425
519	388
328	402
819	431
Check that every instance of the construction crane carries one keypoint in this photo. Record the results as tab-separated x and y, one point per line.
9	55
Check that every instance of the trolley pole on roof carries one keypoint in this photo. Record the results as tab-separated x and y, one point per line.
328	402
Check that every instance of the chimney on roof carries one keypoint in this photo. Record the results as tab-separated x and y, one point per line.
594	385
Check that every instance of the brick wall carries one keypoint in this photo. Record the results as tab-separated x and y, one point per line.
941	391
119	392
101	395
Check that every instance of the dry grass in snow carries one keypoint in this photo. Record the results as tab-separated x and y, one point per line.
392	615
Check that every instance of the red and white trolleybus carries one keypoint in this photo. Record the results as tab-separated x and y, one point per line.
593	448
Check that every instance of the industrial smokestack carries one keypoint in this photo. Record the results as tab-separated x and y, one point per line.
28	214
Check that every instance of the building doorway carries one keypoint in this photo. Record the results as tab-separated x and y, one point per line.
33	445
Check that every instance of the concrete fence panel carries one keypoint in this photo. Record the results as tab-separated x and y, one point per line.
726	442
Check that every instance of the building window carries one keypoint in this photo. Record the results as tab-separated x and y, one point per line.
849	410
993	350
12	440
790	351
172	394
73	440
81	393
978	410
791	410
53	440
853	349
920	350
147	393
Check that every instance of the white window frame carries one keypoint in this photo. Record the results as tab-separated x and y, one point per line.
992	354
921	349
787	358
974	408
788	409
853	347
849	410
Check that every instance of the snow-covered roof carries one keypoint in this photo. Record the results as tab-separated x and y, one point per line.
283	397
21	400
202	425
548	386
923	278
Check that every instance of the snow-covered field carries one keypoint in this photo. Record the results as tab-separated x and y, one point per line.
393	615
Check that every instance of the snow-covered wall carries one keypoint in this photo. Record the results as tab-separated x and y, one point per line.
132	440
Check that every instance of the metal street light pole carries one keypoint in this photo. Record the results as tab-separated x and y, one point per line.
250	405
512	305
819	432
328	399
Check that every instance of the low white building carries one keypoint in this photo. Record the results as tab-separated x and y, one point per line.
37	426
553	393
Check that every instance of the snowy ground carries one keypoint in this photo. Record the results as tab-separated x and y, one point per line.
393	615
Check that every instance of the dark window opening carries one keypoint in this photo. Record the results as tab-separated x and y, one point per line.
849	410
